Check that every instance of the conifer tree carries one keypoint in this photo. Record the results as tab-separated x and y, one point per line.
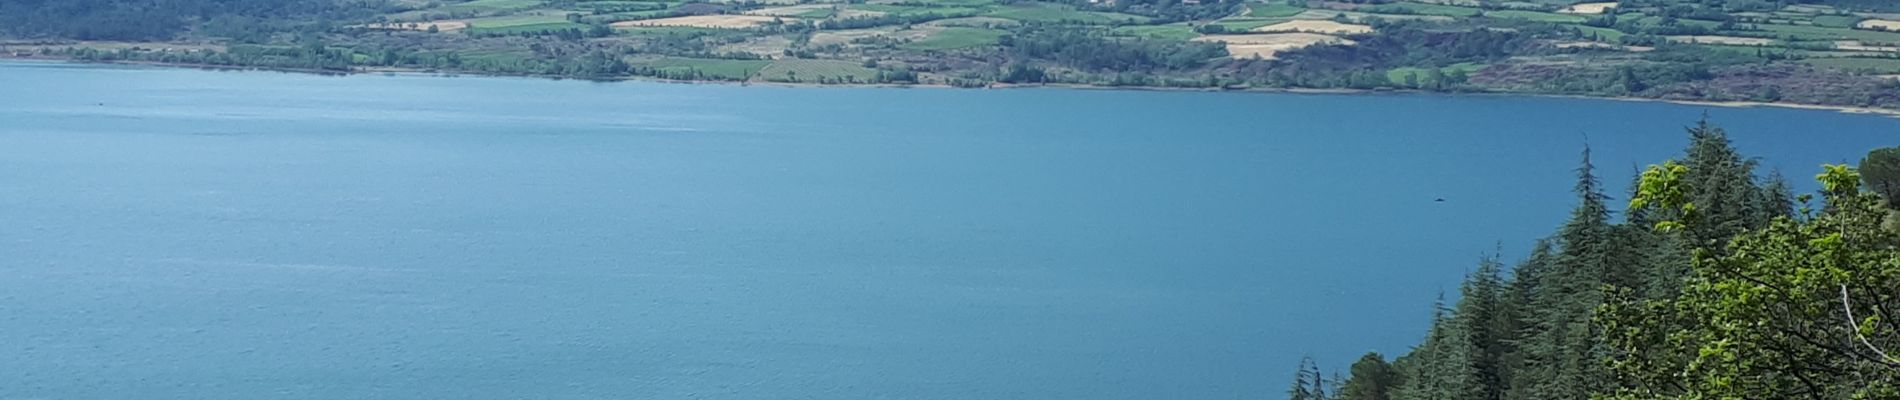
1437	369
1483	333
1302	388
1561	353
1525	321
1724	190
1777	197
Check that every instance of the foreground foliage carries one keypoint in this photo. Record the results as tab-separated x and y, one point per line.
1712	287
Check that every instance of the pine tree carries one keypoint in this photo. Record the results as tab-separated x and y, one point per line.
1437	369
1302	388
1561	354
1525	322
1483	334
1723	186
1778	197
1319	383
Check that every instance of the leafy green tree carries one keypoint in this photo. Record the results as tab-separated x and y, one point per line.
1881	170
1799	309
1372	379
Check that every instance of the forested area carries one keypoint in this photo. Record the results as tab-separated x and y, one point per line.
1711	284
138	20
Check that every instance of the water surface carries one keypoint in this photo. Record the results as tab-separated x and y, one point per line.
184	234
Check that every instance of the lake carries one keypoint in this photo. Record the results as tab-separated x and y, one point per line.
189	234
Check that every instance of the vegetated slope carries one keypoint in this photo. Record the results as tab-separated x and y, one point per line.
1824	52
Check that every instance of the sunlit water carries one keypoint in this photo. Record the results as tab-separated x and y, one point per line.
183	234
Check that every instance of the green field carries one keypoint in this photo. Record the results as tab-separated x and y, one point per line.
820	13
799	70
901	10
1836	21
1273	10
712	68
1874	65
1427	9
491	6
1174	31
1047	12
529	29
514	24
957	38
1423	75
1536	16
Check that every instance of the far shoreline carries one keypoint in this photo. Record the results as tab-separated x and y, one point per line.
1890	113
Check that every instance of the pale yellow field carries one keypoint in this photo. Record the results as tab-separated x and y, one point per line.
1588	8
1266	45
1810	9
706	21
444	25
1881	24
1315	26
975	22
1589	45
1730	40
1601	45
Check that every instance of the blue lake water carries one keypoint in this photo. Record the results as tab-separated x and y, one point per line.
186	234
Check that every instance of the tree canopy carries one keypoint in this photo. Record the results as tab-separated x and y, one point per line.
1712	286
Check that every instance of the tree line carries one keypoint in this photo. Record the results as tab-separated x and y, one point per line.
1713	284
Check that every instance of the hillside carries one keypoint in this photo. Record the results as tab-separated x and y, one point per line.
1826	52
